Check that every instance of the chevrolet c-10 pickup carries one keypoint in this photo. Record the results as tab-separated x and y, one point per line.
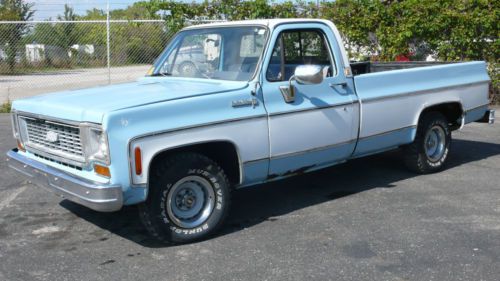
235	104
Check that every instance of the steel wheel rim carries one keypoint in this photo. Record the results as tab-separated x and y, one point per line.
188	69
435	143
190	201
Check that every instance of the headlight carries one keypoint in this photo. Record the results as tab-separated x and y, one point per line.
95	144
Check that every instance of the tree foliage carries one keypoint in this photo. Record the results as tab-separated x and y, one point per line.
13	10
130	42
448	30
67	34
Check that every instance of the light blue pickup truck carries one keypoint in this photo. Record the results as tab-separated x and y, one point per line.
263	100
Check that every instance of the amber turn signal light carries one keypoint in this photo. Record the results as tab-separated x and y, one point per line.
20	146
138	161
102	170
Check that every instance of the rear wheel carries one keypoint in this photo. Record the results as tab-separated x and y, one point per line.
429	151
188	199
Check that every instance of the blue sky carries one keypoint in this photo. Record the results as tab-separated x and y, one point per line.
51	8
46	9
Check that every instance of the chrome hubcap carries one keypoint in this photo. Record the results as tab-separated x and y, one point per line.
435	143
190	201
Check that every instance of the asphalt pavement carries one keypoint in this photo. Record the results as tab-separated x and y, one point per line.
368	219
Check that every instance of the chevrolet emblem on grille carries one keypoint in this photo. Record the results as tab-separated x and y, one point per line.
52	136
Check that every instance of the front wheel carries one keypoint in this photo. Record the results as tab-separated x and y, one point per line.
429	151
188	199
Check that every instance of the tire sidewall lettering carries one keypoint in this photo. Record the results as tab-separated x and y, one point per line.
219	201
191	231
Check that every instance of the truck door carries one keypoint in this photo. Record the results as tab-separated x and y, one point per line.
319	127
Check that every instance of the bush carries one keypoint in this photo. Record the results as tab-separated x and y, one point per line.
450	30
140	53
493	71
5	107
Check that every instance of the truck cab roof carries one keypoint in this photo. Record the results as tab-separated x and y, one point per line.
271	23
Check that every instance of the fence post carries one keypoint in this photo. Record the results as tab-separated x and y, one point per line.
108	43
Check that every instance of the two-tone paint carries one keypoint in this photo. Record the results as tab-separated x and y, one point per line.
328	123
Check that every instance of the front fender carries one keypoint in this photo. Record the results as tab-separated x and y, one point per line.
242	134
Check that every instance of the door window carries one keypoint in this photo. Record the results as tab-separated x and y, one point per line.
299	47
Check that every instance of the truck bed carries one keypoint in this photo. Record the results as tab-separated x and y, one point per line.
364	67
392	100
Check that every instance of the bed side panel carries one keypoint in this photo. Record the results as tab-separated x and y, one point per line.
393	100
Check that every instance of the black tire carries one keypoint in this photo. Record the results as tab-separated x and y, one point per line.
417	156
158	213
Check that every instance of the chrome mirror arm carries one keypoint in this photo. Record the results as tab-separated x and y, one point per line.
288	92
255	89
290	85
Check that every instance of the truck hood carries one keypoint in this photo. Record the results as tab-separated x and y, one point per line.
90	105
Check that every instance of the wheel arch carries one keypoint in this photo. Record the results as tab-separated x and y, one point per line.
230	160
452	110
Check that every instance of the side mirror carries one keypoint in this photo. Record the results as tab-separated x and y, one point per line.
305	75
309	74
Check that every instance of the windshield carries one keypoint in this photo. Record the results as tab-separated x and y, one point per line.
226	53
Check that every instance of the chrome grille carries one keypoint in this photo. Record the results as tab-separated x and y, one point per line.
66	140
58	162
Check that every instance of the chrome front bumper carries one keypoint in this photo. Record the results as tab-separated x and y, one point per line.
96	196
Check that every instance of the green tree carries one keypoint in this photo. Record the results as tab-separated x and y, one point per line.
451	30
67	34
94	33
357	21
11	34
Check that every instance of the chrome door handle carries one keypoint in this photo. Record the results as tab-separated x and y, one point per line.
343	84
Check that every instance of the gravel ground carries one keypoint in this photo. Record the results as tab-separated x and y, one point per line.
368	219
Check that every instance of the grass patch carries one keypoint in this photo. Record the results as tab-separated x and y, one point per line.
6	107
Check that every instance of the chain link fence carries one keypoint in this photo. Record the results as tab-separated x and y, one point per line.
47	56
